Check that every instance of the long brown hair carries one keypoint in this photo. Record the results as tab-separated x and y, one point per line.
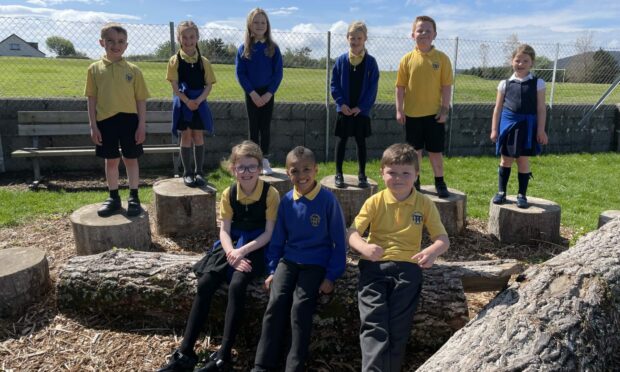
249	39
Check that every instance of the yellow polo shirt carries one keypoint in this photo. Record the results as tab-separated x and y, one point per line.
423	75
273	200
172	73
117	87
396	226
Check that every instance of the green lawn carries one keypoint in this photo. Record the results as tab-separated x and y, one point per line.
583	185
48	77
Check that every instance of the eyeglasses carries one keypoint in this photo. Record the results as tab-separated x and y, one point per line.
251	169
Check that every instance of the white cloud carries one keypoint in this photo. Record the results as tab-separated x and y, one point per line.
283	11
63	14
47	3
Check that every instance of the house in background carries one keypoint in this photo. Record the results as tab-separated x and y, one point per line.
15	46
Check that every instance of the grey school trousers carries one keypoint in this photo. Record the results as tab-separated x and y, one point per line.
388	294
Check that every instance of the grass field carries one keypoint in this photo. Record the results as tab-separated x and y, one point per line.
584	185
45	77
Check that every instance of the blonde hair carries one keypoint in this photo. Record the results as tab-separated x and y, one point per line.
245	148
357	26
249	38
525	49
400	154
187	25
112	26
424	18
300	153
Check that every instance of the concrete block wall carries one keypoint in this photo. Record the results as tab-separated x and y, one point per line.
467	132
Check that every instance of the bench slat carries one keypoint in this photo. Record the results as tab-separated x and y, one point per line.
69	117
79	129
83	151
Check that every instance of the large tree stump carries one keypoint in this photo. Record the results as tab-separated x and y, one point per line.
279	180
160	287
24	278
510	224
561	315
607	216
94	234
452	210
351	198
182	210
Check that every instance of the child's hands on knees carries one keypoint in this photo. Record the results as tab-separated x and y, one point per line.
235	255
326	287
426	258
268	282
243	265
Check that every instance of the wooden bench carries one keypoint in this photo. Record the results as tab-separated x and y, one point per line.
36	124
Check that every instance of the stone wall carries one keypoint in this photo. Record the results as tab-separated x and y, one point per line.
304	124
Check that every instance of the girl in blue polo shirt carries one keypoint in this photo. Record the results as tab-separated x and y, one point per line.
258	67
518	126
355	80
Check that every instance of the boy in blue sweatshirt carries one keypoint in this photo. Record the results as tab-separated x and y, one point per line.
306	255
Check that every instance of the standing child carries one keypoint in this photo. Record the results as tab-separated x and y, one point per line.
423	88
258	68
518	126
192	78
117	95
305	257
248	212
391	266
355	80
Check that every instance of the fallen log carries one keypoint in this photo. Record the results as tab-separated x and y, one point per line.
160	287
561	315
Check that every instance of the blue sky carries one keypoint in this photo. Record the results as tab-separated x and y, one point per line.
532	20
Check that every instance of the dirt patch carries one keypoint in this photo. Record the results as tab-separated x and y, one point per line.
46	340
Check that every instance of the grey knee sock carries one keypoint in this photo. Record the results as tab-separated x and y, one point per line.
186	159
199	157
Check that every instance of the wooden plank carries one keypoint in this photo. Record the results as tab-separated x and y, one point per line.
75	129
83	151
72	117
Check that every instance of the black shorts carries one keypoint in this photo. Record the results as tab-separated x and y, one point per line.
195	124
515	141
425	132
119	130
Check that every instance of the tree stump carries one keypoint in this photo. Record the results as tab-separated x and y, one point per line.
351	197
607	216
561	315
24	278
279	180
452	210
94	234
182	210
510	224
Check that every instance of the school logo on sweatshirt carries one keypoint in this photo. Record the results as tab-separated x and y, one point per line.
417	218
128	77
315	220
435	65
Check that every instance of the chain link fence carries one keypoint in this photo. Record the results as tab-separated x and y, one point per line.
575	73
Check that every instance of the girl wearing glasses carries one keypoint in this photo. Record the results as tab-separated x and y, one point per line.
248	211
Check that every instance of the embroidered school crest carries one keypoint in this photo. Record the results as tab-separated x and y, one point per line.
315	220
128	77
435	65
417	218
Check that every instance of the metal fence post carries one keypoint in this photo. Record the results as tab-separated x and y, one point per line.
555	70
172	46
327	95
456	54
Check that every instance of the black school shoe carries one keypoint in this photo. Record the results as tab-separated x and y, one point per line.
362	181
522	201
339	182
214	364
199	180
133	206
499	198
188	180
109	207
442	190
180	362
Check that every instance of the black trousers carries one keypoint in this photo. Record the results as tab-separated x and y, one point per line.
294	291
259	121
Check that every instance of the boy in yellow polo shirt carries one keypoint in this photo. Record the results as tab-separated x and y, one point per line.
117	96
423	88
391	265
